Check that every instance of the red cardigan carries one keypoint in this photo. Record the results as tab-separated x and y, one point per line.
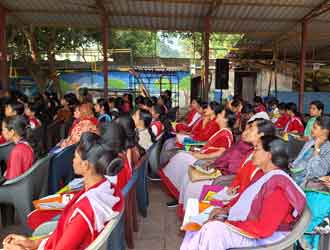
203	134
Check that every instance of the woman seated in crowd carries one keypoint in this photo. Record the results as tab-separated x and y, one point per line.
142	119
132	151
89	210
264	213
85	121
314	158
13	108
192	116
103	110
259	105
115	139
159	123
68	103
32	112
294	125
22	156
219	142
237	159
316	109
284	117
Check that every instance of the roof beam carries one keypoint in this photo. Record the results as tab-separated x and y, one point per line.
161	15
231	3
314	12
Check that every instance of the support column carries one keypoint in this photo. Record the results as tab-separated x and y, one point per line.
304	27
3	51
206	56
105	40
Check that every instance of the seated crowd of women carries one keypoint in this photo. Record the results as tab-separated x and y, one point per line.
264	198
102	131
249	142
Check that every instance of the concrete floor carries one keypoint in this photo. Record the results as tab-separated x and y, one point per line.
159	231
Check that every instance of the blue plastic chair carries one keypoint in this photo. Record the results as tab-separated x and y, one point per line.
61	169
117	238
142	194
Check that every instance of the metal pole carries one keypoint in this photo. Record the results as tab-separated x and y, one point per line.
3	50
105	31
206	37
304	28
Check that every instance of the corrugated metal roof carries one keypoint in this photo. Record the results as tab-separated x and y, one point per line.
263	21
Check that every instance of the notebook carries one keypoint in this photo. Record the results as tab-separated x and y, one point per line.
195	175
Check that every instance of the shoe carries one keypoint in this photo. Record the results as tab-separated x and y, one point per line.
172	204
323	227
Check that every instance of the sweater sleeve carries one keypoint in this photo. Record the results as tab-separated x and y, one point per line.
274	211
206	133
71	239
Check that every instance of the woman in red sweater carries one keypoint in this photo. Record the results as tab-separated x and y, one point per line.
85	216
265	212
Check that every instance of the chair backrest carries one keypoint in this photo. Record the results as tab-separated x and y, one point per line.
53	134
298	231
294	147
115	163
5	149
153	155
101	242
61	168
34	181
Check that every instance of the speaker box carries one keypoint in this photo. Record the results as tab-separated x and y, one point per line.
222	74
195	87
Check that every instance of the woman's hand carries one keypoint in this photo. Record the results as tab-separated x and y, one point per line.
319	141
198	155
218	214
15	241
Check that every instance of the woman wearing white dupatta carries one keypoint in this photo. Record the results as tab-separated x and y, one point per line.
264	213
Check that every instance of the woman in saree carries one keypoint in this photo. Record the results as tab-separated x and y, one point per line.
192	116
89	210
241	155
264	213
177	167
85	121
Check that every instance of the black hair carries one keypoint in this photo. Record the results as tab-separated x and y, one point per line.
146	117
111	99
273	101
127	123
278	149
36	109
20	125
282	106
113	136
257	99
214	106
323	121
236	103
319	105
139	100
119	102
162	118
16	106
265	126
104	104
247	108
198	100
154	99
231	118
291	106
204	104
130	99
91	149
148	102
168	94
